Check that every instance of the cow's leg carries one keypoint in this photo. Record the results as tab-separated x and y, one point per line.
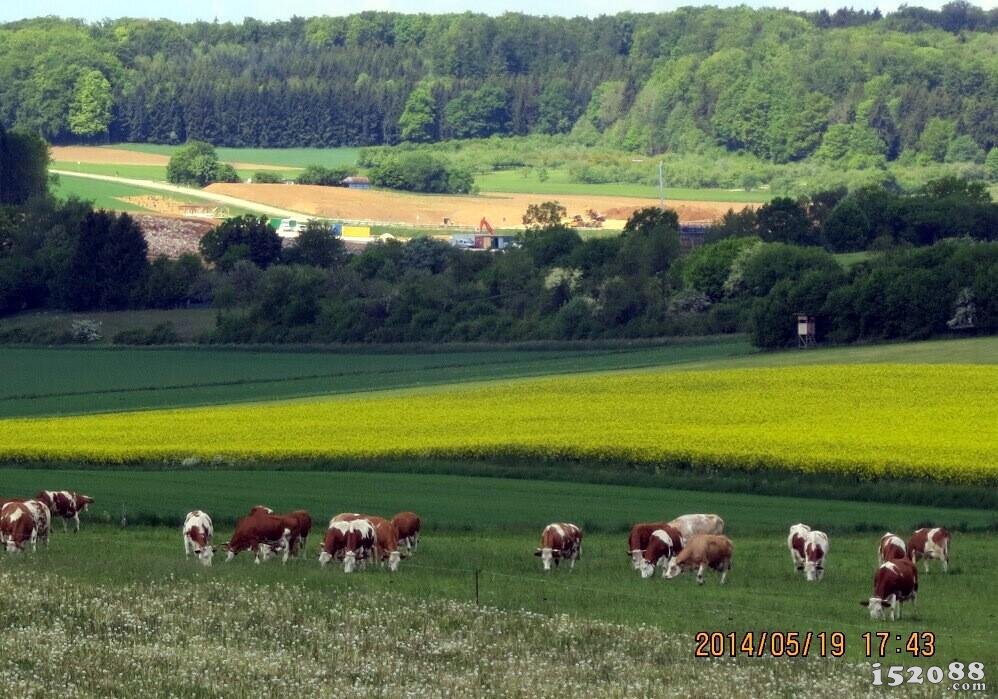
187	547
65	524
700	574
76	521
724	574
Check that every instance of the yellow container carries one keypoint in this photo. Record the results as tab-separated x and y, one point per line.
356	231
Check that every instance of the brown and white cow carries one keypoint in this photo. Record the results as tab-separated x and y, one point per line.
299	522
562	540
665	544
43	520
359	544
691	525
895	581
65	504
198	533
386	543
262	533
335	541
815	551
701	552
795	542
930	543
408	526
638	538
17	527
891	547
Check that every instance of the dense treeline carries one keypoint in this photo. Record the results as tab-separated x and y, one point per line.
848	87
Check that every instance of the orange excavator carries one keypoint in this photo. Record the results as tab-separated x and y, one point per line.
484	225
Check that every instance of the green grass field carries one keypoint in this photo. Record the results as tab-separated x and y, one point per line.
288	157
558	182
492	525
156	173
107	195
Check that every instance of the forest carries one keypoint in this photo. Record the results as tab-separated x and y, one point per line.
849	88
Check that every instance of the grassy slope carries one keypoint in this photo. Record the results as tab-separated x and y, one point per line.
558	182
290	157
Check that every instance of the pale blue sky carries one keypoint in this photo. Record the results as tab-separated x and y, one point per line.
236	10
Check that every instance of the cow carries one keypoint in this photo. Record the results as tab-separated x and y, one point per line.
891	547
17	527
262	533
386	543
198	532
299	522
65	504
930	543
665	544
795	542
560	541
637	540
815	551
408	525
691	525
43	520
360	541
701	552
302	531
335	541
895	581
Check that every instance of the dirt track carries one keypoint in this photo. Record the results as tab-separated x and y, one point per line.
502	210
120	156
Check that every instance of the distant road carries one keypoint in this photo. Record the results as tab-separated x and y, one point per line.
265	209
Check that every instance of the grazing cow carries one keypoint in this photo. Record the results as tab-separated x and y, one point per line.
261	533
664	545
386	543
65	504
895	581
930	543
198	533
795	542
360	541
558	541
43	520
17	527
815	550
891	547
301	532
638	538
691	525
703	551
299	522
335	541
408	525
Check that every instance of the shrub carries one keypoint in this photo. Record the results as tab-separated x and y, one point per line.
421	172
196	163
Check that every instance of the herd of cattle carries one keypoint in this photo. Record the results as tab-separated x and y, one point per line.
689	542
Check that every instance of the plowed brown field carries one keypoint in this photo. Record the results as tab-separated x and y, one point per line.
502	210
120	156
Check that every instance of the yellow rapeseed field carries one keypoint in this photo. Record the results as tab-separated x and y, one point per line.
935	421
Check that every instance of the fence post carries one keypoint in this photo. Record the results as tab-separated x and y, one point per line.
477	571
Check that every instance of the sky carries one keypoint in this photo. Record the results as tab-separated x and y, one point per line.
236	10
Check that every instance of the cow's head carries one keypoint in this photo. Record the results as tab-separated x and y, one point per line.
548	556
878	605
393	561
814	570
12	545
205	554
647	568
349	561
674	570
83	502
636	557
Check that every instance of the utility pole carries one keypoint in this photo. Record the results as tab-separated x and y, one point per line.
661	188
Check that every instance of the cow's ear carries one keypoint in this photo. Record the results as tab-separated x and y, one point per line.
886	603
865	603
537	552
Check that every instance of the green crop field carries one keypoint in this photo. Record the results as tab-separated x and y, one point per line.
288	157
558	182
157	173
